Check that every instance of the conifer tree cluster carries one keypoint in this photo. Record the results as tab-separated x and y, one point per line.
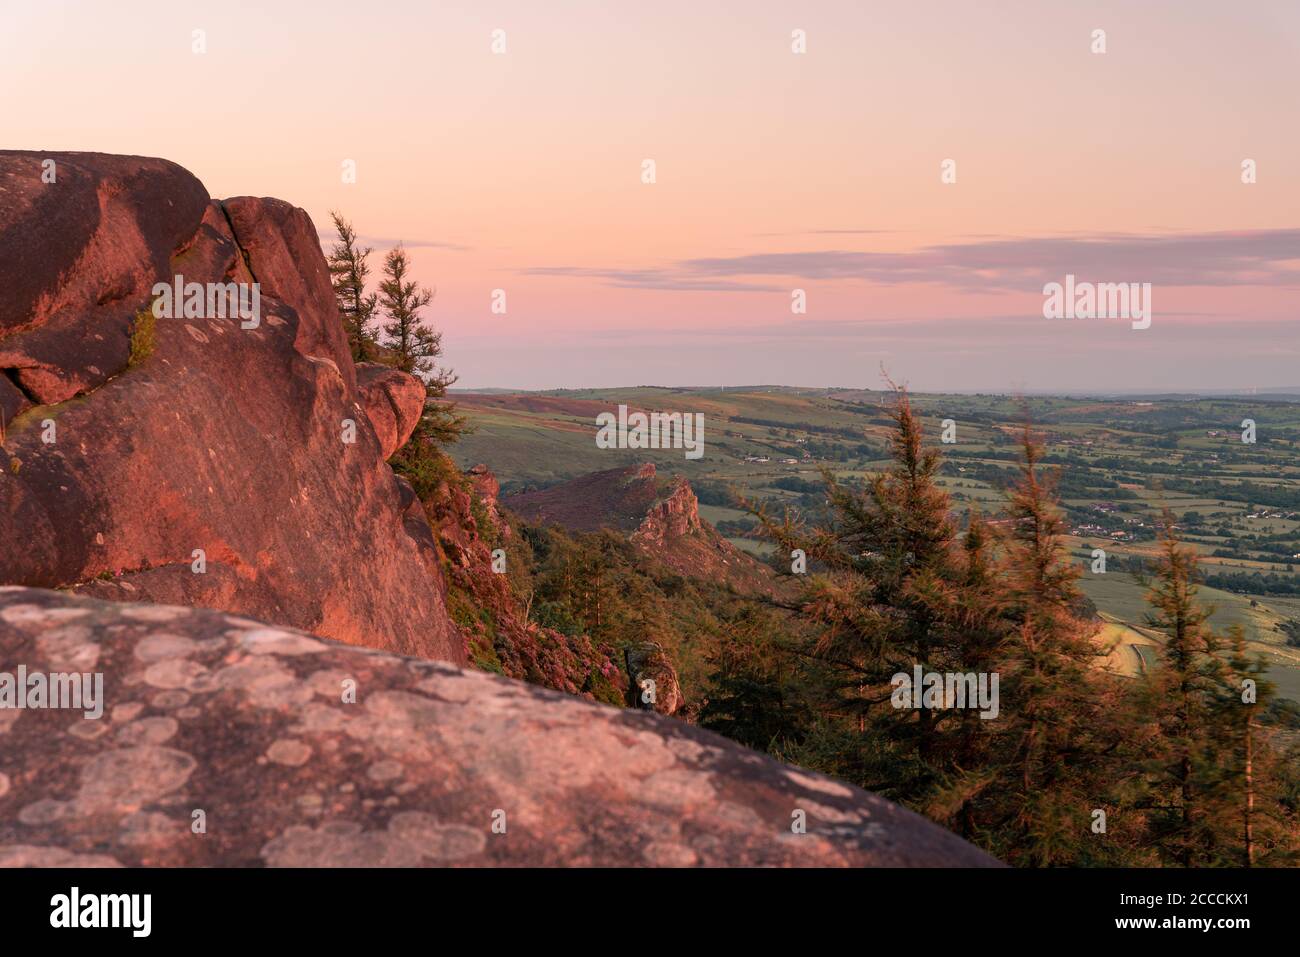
1181	766
403	340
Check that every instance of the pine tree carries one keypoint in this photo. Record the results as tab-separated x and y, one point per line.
1060	738
881	548
414	348
1220	794
1182	692
752	696
1246	693
348	272
974	608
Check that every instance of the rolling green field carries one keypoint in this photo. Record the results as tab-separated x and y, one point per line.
1119	462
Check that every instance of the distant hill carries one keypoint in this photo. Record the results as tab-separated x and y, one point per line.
661	517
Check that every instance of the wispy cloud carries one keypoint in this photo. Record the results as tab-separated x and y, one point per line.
1252	258
1244	258
667	278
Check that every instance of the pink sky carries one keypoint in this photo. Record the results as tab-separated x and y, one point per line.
775	171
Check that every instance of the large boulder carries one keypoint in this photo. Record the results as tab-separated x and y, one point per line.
394	402
652	680
215	469
80	255
226	742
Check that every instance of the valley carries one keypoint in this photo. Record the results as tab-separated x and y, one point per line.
1120	461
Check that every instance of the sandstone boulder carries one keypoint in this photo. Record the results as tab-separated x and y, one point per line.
393	400
652	679
213	470
80	255
249	729
488	490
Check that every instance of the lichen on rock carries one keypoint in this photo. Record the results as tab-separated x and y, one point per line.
252	751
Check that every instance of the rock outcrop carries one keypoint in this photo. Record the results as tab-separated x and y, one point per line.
394	402
661	518
215	468
653	684
226	742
